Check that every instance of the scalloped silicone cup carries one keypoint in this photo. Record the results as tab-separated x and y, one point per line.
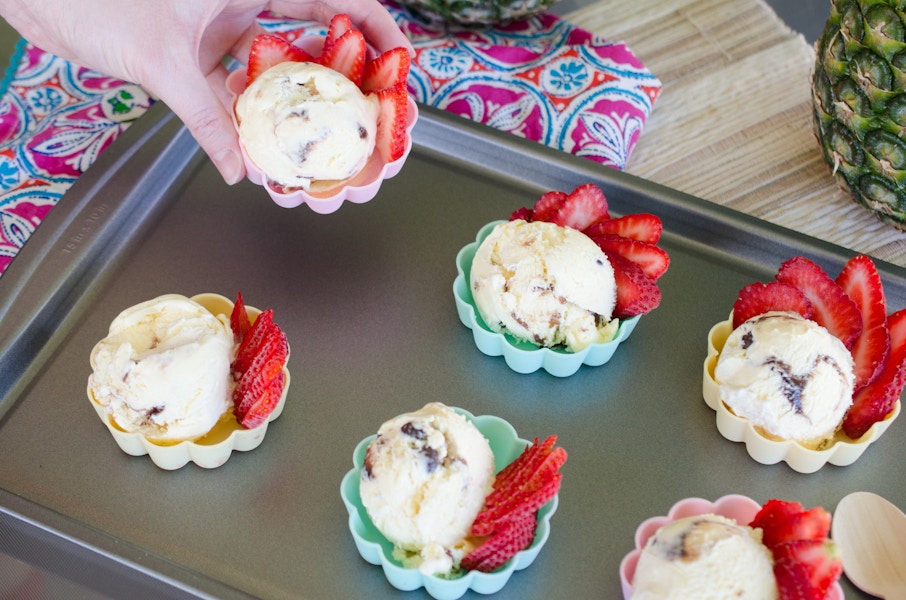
377	550
214	448
741	509
324	198
523	356
842	451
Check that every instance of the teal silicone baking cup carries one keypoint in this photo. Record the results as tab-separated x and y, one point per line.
377	550
520	355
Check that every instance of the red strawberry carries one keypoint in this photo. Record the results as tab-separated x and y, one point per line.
861	281
637	293
524	486
644	227
239	320
583	206
390	69
269	50
806	569
501	546
652	259
758	298
253	341
526	462
261	386
547	205
874	402
833	309
391	124
781	522
339	24
346	55
523	213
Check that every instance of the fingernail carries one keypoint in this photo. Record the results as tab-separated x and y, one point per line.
230	166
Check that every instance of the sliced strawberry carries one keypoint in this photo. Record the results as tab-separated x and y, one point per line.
775	511
259	389
239	320
346	55
252	343
526	463
269	50
861	281
339	24
637	294
524	214
643	227
391	123
806	569
500	547
515	504
653	260
583	206
833	309
389	69
875	401
758	298
524	486
781	522
547	205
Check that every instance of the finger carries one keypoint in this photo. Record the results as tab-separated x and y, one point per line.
375	22
192	99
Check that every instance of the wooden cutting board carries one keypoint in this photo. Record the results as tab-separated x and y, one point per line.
733	123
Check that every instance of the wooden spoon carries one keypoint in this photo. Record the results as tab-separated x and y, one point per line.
871	535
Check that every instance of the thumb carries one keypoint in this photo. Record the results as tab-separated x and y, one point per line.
191	97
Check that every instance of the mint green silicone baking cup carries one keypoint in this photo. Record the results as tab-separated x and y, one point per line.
520	355
377	550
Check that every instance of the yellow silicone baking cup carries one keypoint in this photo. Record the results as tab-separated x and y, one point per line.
214	448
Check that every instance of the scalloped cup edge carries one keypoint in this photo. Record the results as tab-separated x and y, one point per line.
372	549
740	508
209	456
525	358
842	452
359	189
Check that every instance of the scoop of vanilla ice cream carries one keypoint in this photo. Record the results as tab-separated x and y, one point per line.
787	375
704	557
424	480
544	283
164	369
301	122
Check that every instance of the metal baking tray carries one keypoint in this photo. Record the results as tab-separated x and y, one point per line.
365	295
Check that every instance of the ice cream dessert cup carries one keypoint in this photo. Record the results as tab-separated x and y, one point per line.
765	448
322	197
378	550
735	507
520	355
212	449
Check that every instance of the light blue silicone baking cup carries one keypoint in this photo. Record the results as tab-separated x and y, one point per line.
377	550
523	356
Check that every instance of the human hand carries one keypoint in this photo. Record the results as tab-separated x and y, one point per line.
174	48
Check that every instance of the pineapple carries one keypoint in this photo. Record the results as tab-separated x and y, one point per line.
859	102
476	12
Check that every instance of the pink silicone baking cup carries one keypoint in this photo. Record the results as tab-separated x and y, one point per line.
741	509
359	189
842	451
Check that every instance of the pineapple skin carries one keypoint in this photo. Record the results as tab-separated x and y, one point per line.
859	100
476	12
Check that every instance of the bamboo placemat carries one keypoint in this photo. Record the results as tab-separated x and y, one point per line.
733	123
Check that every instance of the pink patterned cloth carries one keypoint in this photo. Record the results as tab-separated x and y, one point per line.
543	79
55	120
